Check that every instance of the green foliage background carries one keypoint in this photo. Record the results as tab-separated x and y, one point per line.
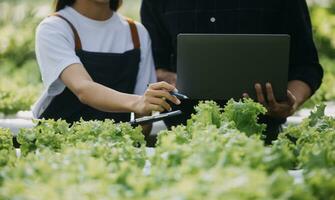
20	82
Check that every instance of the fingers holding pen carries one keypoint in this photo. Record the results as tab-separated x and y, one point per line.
156	98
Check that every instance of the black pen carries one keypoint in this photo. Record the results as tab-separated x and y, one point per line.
179	95
176	94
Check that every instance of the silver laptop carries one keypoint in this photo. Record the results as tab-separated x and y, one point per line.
221	66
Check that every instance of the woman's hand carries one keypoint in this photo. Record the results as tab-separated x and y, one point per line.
155	99
276	109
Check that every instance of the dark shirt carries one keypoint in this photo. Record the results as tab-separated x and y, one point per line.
165	19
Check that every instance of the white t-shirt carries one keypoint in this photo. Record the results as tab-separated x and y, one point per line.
55	49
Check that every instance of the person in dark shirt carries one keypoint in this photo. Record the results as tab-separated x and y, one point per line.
165	19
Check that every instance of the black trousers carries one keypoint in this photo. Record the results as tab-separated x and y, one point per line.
274	126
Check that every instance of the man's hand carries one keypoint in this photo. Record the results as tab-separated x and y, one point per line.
167	76
298	92
276	109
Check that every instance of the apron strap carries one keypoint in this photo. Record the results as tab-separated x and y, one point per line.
77	40
78	46
134	34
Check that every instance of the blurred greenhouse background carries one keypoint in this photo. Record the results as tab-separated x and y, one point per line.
218	155
20	82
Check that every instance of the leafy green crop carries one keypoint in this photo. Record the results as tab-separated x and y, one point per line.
241	115
321	182
208	113
312	147
245	116
54	135
213	157
7	151
6	142
312	142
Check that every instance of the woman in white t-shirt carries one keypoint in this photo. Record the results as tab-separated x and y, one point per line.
96	64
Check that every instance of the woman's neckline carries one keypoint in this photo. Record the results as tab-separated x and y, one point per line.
90	20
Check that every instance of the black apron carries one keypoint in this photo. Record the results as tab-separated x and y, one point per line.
116	71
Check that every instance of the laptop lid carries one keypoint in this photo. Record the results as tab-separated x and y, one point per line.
224	66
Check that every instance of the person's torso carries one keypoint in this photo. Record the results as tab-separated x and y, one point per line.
222	17
114	70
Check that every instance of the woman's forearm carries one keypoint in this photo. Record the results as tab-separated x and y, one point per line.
76	78
106	99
